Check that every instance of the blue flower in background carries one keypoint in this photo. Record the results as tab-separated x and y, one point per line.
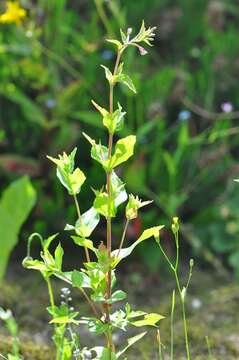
107	54
184	115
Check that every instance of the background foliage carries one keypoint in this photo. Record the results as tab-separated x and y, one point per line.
185	115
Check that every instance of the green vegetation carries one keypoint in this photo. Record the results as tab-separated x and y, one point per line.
184	118
15	205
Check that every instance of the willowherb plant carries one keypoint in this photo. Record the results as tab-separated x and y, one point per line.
97	279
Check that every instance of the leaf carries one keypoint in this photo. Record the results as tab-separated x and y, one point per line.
148	320
29	263
118	295
131	341
123	36
115	42
124	149
104	205
15	205
64	320
59	252
126	80
96	326
108	74
80	279
125	252
113	122
87	223
47	242
76	180
84	242
118	191
71	179
98	152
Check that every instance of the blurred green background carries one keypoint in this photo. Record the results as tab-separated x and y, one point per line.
184	115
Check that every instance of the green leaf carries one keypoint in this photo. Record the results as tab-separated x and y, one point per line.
47	242
84	242
118	191
75	181
59	252
86	224
71	179
29	263
123	36
15	205
126	80
104	205
80	279
97	327
118	295
98	152
113	122
115	42
62	315
123	253
64	320
148	320
124	149
131	341
108	74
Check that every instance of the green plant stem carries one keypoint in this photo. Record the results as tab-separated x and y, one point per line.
108	189
123	237
52	302
182	300
172	326
79	217
160	353
174	268
50	291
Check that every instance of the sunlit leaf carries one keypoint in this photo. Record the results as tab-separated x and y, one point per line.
123	253
124	149
148	320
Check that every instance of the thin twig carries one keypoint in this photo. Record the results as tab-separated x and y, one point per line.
79	216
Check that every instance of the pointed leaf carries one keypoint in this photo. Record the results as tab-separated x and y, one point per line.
126	80
149	320
98	152
108	74
84	242
124	149
118	191
123	253
118	295
87	223
80	279
131	341
115	42
59	252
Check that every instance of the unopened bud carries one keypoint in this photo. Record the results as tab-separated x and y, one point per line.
142	50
